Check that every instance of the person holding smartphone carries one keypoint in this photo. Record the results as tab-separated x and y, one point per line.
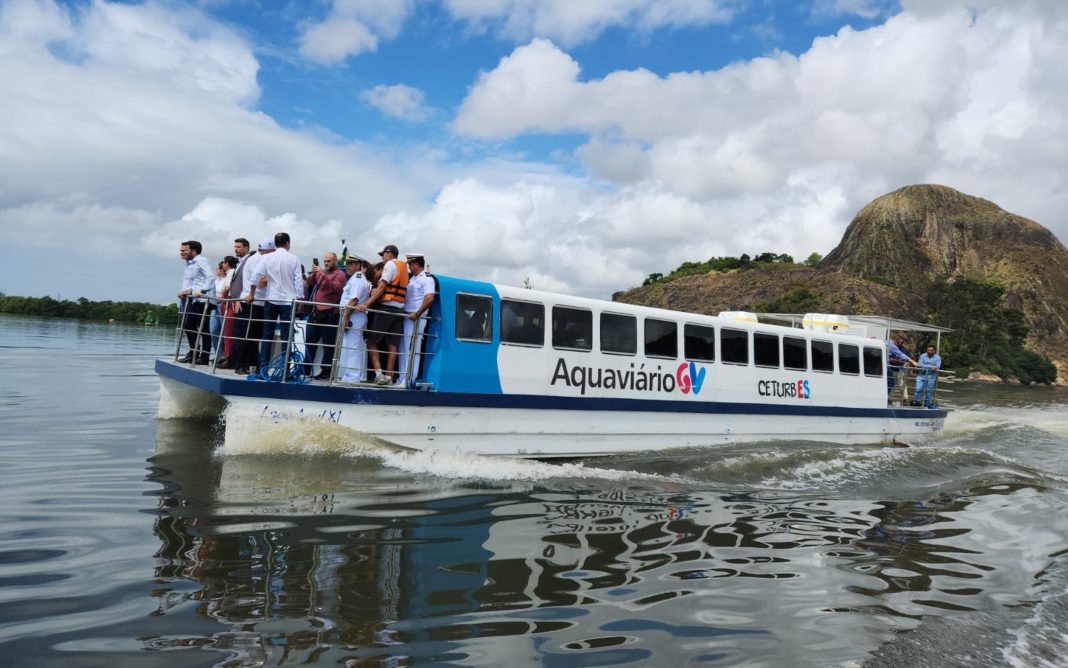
323	286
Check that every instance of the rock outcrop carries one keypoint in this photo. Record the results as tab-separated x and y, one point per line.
895	248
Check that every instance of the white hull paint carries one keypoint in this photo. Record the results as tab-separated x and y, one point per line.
574	433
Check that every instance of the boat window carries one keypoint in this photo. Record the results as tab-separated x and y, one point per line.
700	343
522	323
873	362
619	333
473	317
572	328
766	350
661	338
848	359
734	346
823	356
795	353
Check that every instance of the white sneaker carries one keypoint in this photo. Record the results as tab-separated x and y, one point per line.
381	379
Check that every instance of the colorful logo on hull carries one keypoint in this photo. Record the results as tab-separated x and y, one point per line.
689	377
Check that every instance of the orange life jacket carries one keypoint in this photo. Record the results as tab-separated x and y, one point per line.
398	286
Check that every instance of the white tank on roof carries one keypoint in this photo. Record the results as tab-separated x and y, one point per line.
743	316
825	322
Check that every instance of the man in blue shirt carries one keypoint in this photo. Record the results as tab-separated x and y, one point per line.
930	363
196	280
897	358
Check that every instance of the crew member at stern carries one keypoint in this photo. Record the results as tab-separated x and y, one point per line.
387	321
417	301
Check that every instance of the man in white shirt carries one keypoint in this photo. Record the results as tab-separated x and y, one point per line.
417	300
352	367
196	280
279	278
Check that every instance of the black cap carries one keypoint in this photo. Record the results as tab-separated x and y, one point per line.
390	249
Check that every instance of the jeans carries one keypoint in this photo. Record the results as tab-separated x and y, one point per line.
925	388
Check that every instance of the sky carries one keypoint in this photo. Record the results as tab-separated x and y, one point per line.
578	145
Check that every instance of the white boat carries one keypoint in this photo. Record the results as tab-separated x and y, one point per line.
519	372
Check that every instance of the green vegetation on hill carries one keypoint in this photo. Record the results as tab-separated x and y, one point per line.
129	312
725	263
987	337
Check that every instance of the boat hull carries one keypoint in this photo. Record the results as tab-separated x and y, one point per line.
541	426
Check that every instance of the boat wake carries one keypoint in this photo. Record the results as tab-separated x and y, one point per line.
247	433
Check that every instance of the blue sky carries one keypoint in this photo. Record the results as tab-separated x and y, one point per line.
581	145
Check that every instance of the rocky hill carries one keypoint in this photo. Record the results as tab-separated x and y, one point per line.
892	251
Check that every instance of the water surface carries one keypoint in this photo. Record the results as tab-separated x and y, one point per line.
129	541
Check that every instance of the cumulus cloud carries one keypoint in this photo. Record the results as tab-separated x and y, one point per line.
397	101
213	221
971	97
125	129
577	22
353	27
100	149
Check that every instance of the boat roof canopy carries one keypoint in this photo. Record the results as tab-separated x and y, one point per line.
892	324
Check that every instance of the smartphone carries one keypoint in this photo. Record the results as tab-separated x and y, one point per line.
315	261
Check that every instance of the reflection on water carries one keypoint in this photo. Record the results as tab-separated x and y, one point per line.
332	560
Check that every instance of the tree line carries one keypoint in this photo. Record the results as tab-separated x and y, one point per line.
84	309
743	262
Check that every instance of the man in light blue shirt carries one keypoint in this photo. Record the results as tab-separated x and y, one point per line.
196	281
930	363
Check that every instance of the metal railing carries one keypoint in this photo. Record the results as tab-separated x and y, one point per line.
903	395
194	333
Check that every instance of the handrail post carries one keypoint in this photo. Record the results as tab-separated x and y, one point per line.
289	339
222	333
339	336
200	336
180	330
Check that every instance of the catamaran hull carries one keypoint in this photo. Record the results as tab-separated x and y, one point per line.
536	426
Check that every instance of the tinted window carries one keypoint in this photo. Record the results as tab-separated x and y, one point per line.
766	350
734	346
823	356
795	353
619	333
572	328
474	320
873	362
848	359
661	338
522	322
700	343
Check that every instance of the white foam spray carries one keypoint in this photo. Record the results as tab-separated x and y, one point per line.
248	433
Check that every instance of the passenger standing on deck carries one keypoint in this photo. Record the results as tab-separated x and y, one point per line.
279	276
237	328
897	358
387	322
353	362
930	363
328	283
417	300
250	351
196	280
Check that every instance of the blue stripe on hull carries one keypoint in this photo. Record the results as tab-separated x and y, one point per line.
236	386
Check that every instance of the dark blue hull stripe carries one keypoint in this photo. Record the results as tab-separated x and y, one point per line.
239	387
